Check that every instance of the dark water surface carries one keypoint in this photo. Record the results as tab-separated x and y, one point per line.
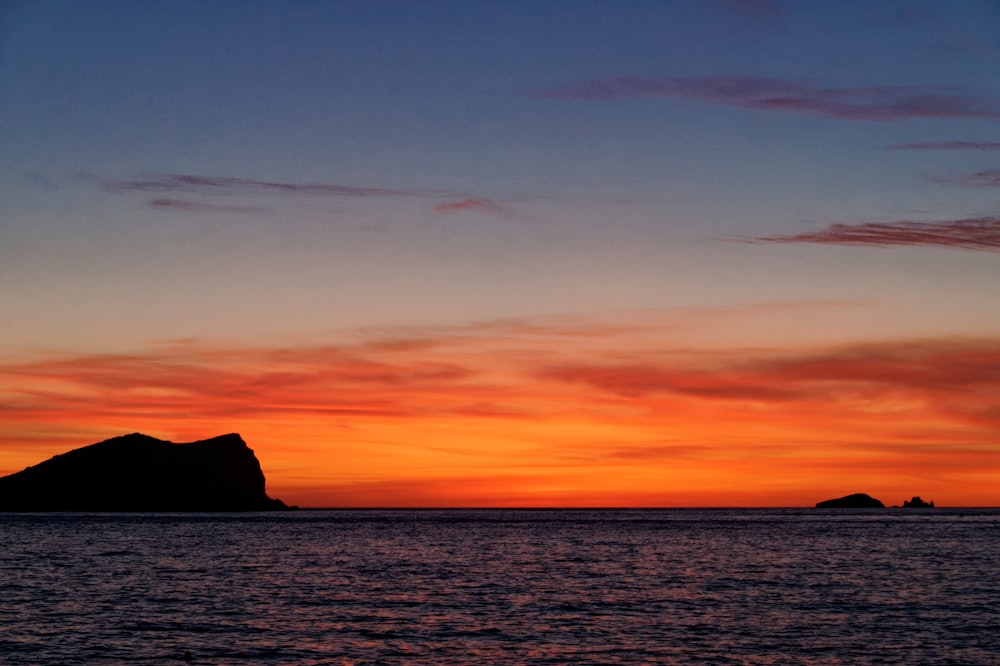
503	587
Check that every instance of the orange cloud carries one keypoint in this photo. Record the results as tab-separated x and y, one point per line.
929	366
543	412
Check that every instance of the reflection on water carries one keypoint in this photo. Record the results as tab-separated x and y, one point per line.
517	586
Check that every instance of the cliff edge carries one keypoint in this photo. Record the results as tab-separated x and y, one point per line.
141	473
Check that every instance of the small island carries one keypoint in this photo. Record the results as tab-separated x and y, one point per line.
855	501
141	473
917	503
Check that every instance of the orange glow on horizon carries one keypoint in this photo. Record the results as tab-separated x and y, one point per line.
567	415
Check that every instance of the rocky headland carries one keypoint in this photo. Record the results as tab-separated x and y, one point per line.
141	473
855	501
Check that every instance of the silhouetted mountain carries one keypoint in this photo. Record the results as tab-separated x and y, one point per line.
917	503
856	501
141	473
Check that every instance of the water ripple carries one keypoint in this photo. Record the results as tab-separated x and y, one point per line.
501	587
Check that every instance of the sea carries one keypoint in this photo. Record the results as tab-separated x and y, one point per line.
518	586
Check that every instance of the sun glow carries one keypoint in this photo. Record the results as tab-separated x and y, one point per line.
568	415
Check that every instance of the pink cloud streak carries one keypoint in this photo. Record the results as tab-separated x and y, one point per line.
850	103
473	205
976	233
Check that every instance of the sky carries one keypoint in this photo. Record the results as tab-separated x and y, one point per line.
680	253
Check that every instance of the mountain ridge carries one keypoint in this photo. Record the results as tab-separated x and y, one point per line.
137	472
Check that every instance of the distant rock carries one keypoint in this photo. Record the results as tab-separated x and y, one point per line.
917	503
141	473
856	501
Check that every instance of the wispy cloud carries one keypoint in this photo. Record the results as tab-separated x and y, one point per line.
933	366
804	97
220	184
518	371
948	145
950	377
639	380
977	233
200	206
197	383
984	178
473	205
188	193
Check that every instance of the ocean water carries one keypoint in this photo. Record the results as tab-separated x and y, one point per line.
502	587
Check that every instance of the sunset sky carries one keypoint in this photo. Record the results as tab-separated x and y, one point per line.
691	253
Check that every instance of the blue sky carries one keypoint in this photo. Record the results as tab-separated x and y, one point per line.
630	200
